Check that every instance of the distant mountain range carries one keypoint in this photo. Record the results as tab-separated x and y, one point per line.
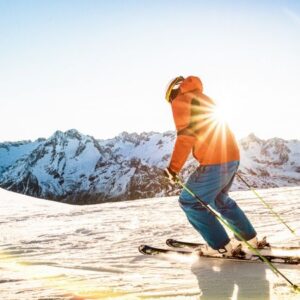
76	168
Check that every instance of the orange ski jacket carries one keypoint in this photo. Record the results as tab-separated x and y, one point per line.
211	142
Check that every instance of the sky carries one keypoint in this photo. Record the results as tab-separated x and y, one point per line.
102	66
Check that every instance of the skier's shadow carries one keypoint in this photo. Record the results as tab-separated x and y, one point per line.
222	279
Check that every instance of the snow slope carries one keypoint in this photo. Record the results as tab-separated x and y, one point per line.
50	250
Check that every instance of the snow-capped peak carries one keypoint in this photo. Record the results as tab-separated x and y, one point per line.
73	167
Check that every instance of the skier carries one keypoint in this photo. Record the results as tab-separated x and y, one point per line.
215	148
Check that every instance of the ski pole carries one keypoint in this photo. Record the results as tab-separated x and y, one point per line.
237	234
266	204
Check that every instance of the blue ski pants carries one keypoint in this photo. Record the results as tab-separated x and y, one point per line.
212	183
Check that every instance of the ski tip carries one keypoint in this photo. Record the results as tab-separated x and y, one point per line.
169	242
148	250
142	248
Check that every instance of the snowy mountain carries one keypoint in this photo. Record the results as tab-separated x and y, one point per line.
76	168
270	163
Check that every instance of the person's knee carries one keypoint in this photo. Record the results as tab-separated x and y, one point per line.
224	201
184	203
185	197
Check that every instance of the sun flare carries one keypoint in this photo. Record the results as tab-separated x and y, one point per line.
219	115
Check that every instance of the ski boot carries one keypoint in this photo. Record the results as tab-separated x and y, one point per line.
255	243
229	250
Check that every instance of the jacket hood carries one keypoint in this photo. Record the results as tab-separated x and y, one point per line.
191	83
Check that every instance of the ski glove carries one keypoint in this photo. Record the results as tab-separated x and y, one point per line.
171	175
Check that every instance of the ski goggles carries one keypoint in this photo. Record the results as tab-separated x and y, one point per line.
173	84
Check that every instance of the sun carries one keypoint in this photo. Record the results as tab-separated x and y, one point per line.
219	115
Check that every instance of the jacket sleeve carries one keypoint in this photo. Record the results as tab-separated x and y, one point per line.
186	139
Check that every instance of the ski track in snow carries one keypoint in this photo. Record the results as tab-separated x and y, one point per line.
50	250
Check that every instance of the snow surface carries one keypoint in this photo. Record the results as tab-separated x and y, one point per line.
50	250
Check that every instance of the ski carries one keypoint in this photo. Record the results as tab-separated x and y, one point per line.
149	250
265	249
180	244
